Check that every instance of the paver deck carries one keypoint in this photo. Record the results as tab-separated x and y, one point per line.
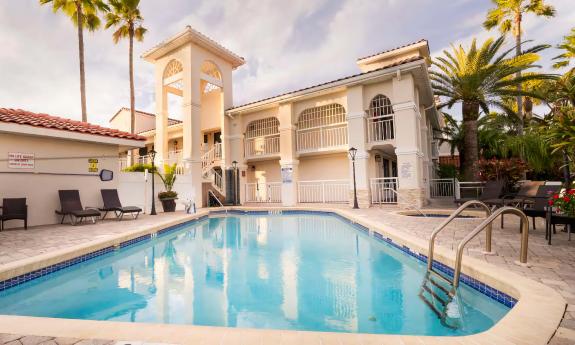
551	265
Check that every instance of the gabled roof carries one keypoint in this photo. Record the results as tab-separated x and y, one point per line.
171	121
191	35
393	49
327	84
23	117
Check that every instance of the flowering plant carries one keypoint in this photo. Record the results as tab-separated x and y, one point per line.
564	201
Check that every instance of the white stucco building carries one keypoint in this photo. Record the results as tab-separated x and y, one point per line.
293	148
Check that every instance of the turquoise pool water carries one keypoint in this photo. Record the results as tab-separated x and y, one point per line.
312	272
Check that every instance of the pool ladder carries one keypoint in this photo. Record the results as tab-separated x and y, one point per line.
438	291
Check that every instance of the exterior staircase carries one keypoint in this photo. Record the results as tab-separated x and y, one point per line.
210	172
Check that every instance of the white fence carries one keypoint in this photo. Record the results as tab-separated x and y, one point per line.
262	146
442	188
383	190
264	192
135	190
468	189
380	128
323	191
325	137
211	156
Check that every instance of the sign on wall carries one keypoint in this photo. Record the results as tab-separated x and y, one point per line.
18	160
287	175
92	165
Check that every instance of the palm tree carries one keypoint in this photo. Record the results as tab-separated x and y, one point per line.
508	16
125	15
479	78
568	45
84	13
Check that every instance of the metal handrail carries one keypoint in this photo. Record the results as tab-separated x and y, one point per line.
215	197
487	222
452	217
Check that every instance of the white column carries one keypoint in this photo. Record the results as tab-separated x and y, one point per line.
357	139
289	162
161	137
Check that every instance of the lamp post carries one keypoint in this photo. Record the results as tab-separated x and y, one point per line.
352	153
235	167
153	157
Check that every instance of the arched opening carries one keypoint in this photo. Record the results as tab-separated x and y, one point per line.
380	119
262	137
322	127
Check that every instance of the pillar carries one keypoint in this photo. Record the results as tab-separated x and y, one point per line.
411	191
192	132
161	138
288	159
357	138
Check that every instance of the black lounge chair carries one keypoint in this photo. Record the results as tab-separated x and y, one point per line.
14	208
527	190
538	208
72	206
112	204
492	190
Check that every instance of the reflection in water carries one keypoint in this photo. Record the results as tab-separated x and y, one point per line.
306	272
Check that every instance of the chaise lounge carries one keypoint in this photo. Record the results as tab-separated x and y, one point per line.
112	204
72	206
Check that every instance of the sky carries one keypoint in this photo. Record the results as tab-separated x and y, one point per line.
287	45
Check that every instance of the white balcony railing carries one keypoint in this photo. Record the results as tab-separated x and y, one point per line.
264	192
383	190
211	156
262	146
442	187
323	191
122	163
325	137
380	128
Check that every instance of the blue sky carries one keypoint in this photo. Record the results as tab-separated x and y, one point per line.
287	45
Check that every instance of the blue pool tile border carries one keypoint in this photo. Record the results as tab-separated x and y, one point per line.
475	284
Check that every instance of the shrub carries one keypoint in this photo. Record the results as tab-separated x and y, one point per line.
510	170
448	171
139	167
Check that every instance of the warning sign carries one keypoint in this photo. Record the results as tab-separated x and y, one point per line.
92	165
18	160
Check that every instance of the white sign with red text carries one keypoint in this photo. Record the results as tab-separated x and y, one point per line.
18	160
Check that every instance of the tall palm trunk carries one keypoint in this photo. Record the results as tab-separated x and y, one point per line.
132	97
470	112
518	75
80	19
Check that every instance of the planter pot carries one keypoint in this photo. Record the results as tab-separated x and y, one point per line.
169	204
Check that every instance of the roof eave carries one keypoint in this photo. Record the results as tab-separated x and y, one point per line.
191	35
379	56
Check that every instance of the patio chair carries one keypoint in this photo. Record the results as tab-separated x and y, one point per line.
492	190
72	206
538	209
112	204
527	190
14	208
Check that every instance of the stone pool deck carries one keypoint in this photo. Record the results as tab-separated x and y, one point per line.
551	265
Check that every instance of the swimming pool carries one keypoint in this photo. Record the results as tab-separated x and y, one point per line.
297	271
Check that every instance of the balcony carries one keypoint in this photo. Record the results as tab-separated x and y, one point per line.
324	138
380	128
262	147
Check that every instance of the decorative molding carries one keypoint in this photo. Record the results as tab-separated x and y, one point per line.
409	105
405	152
357	115
288	163
192	105
233	137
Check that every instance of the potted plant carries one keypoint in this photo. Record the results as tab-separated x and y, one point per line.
564	202
168	197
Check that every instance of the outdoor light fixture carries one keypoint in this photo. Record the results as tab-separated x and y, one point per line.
352	153
235	167
106	175
153	157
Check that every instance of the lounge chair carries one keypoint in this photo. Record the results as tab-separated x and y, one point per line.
14	208
492	190
112	204
527	190
538	209
72	206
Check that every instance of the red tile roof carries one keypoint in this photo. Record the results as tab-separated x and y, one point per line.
24	117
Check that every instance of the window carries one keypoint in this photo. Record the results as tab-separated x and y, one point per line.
263	127
321	116
380	106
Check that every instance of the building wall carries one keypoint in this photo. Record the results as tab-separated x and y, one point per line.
324	167
143	122
211	110
263	172
57	157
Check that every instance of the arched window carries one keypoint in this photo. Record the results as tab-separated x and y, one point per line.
263	127
211	70
172	68
324	115
380	106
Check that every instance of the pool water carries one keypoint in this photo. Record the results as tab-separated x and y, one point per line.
312	272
